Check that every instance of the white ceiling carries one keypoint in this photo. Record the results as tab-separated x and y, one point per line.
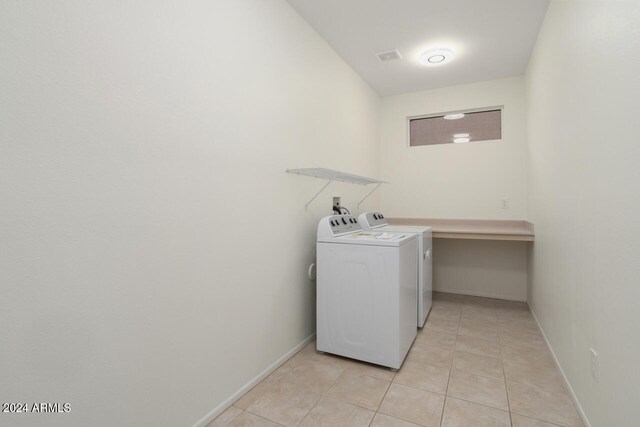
491	38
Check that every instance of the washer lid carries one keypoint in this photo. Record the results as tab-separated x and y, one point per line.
372	238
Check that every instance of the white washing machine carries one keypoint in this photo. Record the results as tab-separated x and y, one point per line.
376	221
366	291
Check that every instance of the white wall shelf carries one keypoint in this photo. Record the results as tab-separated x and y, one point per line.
334	175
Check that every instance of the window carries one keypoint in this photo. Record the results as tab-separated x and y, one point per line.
456	127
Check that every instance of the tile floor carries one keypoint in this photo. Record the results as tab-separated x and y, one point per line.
477	362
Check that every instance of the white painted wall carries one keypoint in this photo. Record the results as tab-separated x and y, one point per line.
461	181
486	268
455	180
583	87
153	250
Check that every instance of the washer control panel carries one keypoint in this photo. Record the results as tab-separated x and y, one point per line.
373	220
338	225
341	224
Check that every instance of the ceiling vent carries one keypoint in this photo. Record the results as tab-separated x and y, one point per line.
389	55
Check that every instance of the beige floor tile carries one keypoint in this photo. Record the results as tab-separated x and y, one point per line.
252	395
434	356
480	310
515	318
477	364
503	303
521	342
359	390
471	344
481	342
478	321
444	296
523	354
446	302
458	413
308	349
471	320
521	338
332	413
511	305
514	322
475	322
482	390
521	421
382	420
316	376
247	419
300	356
362	368
518	325
446	326
226	417
479	301
516	335
488	321
486	332
445	313
518	331
432	378
447	307
541	375
325	358
411	404
431	338
514	315
539	359
284	403
535	347
542	405
284	369
450	304
519	315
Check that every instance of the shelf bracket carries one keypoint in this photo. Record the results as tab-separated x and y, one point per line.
334	175
317	194
368	194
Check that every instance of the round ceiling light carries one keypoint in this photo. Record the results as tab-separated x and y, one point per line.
461	140
454	116
461	135
436	56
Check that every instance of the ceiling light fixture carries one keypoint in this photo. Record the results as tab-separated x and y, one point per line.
454	116
461	135
461	140
436	56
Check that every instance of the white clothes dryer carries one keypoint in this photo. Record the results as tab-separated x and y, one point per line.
376	221
366	291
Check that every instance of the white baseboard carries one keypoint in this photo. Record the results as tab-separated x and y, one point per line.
480	294
248	386
576	402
